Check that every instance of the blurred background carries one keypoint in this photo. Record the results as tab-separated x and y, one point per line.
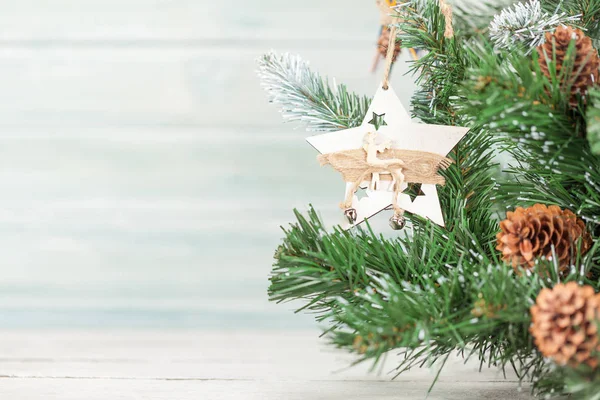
143	174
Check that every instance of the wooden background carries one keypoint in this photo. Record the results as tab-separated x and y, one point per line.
143	180
143	174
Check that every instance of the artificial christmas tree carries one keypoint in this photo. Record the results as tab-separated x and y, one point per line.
467	285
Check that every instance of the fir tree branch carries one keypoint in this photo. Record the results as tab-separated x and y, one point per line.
472	17
577	383
427	294
304	96
475	309
525	25
589	11
510	95
441	67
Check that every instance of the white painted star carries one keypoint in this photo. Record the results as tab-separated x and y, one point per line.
406	135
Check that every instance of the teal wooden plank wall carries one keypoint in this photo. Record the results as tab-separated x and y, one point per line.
143	174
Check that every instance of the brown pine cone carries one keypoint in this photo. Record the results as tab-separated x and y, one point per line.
529	233
383	43
565	322
586	59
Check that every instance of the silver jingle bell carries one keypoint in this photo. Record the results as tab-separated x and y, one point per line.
397	222
351	215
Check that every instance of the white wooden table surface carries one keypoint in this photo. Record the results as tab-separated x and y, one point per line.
140	207
244	365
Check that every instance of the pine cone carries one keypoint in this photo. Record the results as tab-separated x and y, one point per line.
383	43
586	59
565	322
529	233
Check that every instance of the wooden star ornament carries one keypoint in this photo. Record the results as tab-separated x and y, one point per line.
385	154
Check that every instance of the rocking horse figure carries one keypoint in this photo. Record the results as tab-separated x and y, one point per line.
377	161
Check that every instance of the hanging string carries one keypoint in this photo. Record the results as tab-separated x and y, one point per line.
389	58
447	13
